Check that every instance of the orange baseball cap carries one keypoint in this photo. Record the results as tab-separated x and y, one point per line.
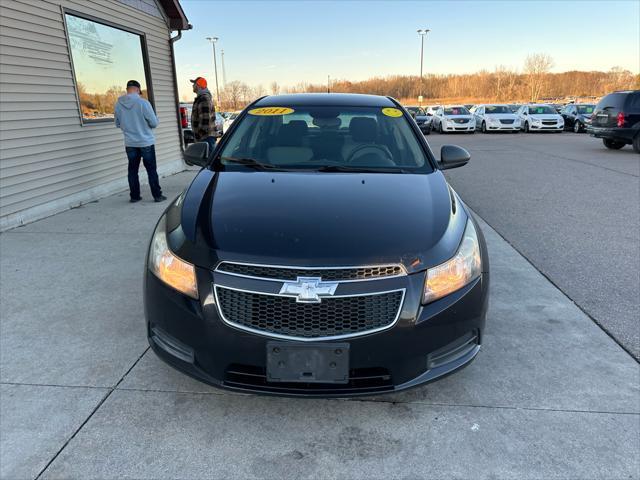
201	82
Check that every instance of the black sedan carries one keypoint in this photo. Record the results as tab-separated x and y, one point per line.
320	251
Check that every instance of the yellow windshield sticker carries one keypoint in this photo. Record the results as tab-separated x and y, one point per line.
392	112
267	111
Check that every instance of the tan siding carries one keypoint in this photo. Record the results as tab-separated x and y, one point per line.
38	98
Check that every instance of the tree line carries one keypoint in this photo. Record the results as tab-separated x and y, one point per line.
534	83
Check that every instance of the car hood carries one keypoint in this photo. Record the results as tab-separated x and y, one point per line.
546	116
501	116
327	219
452	117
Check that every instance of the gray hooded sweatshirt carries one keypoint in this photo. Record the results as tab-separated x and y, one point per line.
135	117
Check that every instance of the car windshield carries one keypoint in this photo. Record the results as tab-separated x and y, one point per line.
585	109
416	110
540	110
325	138
456	111
496	109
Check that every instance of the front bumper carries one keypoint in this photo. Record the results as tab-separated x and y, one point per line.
459	127
502	127
541	127
426	342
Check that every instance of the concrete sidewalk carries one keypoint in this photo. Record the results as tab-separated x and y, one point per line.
81	396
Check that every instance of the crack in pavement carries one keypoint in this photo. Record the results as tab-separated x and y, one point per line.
97	407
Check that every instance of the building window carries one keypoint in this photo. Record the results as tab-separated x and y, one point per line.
104	58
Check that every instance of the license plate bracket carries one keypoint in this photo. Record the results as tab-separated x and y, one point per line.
308	363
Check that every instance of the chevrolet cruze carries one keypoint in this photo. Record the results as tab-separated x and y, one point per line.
319	251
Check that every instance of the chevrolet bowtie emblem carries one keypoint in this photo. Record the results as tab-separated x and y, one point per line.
309	289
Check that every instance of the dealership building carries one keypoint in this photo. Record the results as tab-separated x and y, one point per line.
63	64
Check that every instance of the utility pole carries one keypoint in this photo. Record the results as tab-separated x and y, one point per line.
422	33
224	72
213	41
328	83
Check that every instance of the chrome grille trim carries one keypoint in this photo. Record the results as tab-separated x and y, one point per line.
220	269
308	339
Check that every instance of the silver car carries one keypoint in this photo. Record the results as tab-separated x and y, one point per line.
491	118
453	118
538	117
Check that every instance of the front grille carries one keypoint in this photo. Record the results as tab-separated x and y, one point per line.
334	274
506	121
461	120
549	122
363	380
332	317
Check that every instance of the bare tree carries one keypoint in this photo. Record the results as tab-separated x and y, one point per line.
275	88
537	67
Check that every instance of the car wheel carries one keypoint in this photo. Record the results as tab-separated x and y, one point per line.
441	130
576	127
526	127
636	143
484	127
612	144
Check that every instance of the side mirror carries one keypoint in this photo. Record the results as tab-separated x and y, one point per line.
452	156
197	154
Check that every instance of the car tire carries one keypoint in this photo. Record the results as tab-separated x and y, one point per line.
612	144
484	127
526	127
441	130
636	143
576	127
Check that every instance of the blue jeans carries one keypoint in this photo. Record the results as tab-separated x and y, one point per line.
212	144
148	156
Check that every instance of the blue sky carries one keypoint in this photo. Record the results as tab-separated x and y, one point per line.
295	41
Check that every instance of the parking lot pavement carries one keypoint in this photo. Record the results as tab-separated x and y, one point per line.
568	205
550	395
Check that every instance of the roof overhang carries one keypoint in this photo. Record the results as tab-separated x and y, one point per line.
177	19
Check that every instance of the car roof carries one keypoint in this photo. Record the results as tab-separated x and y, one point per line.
328	99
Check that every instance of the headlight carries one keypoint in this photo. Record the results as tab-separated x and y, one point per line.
493	120
452	275
172	270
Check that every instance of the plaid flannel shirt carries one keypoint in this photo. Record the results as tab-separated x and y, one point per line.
203	117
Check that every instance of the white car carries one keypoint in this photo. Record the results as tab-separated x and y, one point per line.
231	116
431	111
538	117
453	118
490	118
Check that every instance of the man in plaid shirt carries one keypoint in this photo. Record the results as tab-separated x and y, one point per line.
203	114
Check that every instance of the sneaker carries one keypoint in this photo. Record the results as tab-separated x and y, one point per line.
134	200
161	198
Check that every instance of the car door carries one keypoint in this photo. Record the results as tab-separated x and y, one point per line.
477	116
569	116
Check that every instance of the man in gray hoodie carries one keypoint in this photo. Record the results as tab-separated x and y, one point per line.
135	117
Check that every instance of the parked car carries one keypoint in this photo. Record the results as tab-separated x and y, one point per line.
319	252
453	118
616	119
539	117
495	118
422	119
231	116
577	116
185	123
431	110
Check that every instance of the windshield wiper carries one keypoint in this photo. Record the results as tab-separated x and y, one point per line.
250	162
348	168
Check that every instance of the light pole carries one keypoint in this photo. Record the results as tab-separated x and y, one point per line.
213	41
423	33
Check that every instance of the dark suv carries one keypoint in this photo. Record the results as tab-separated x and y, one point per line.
616	120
